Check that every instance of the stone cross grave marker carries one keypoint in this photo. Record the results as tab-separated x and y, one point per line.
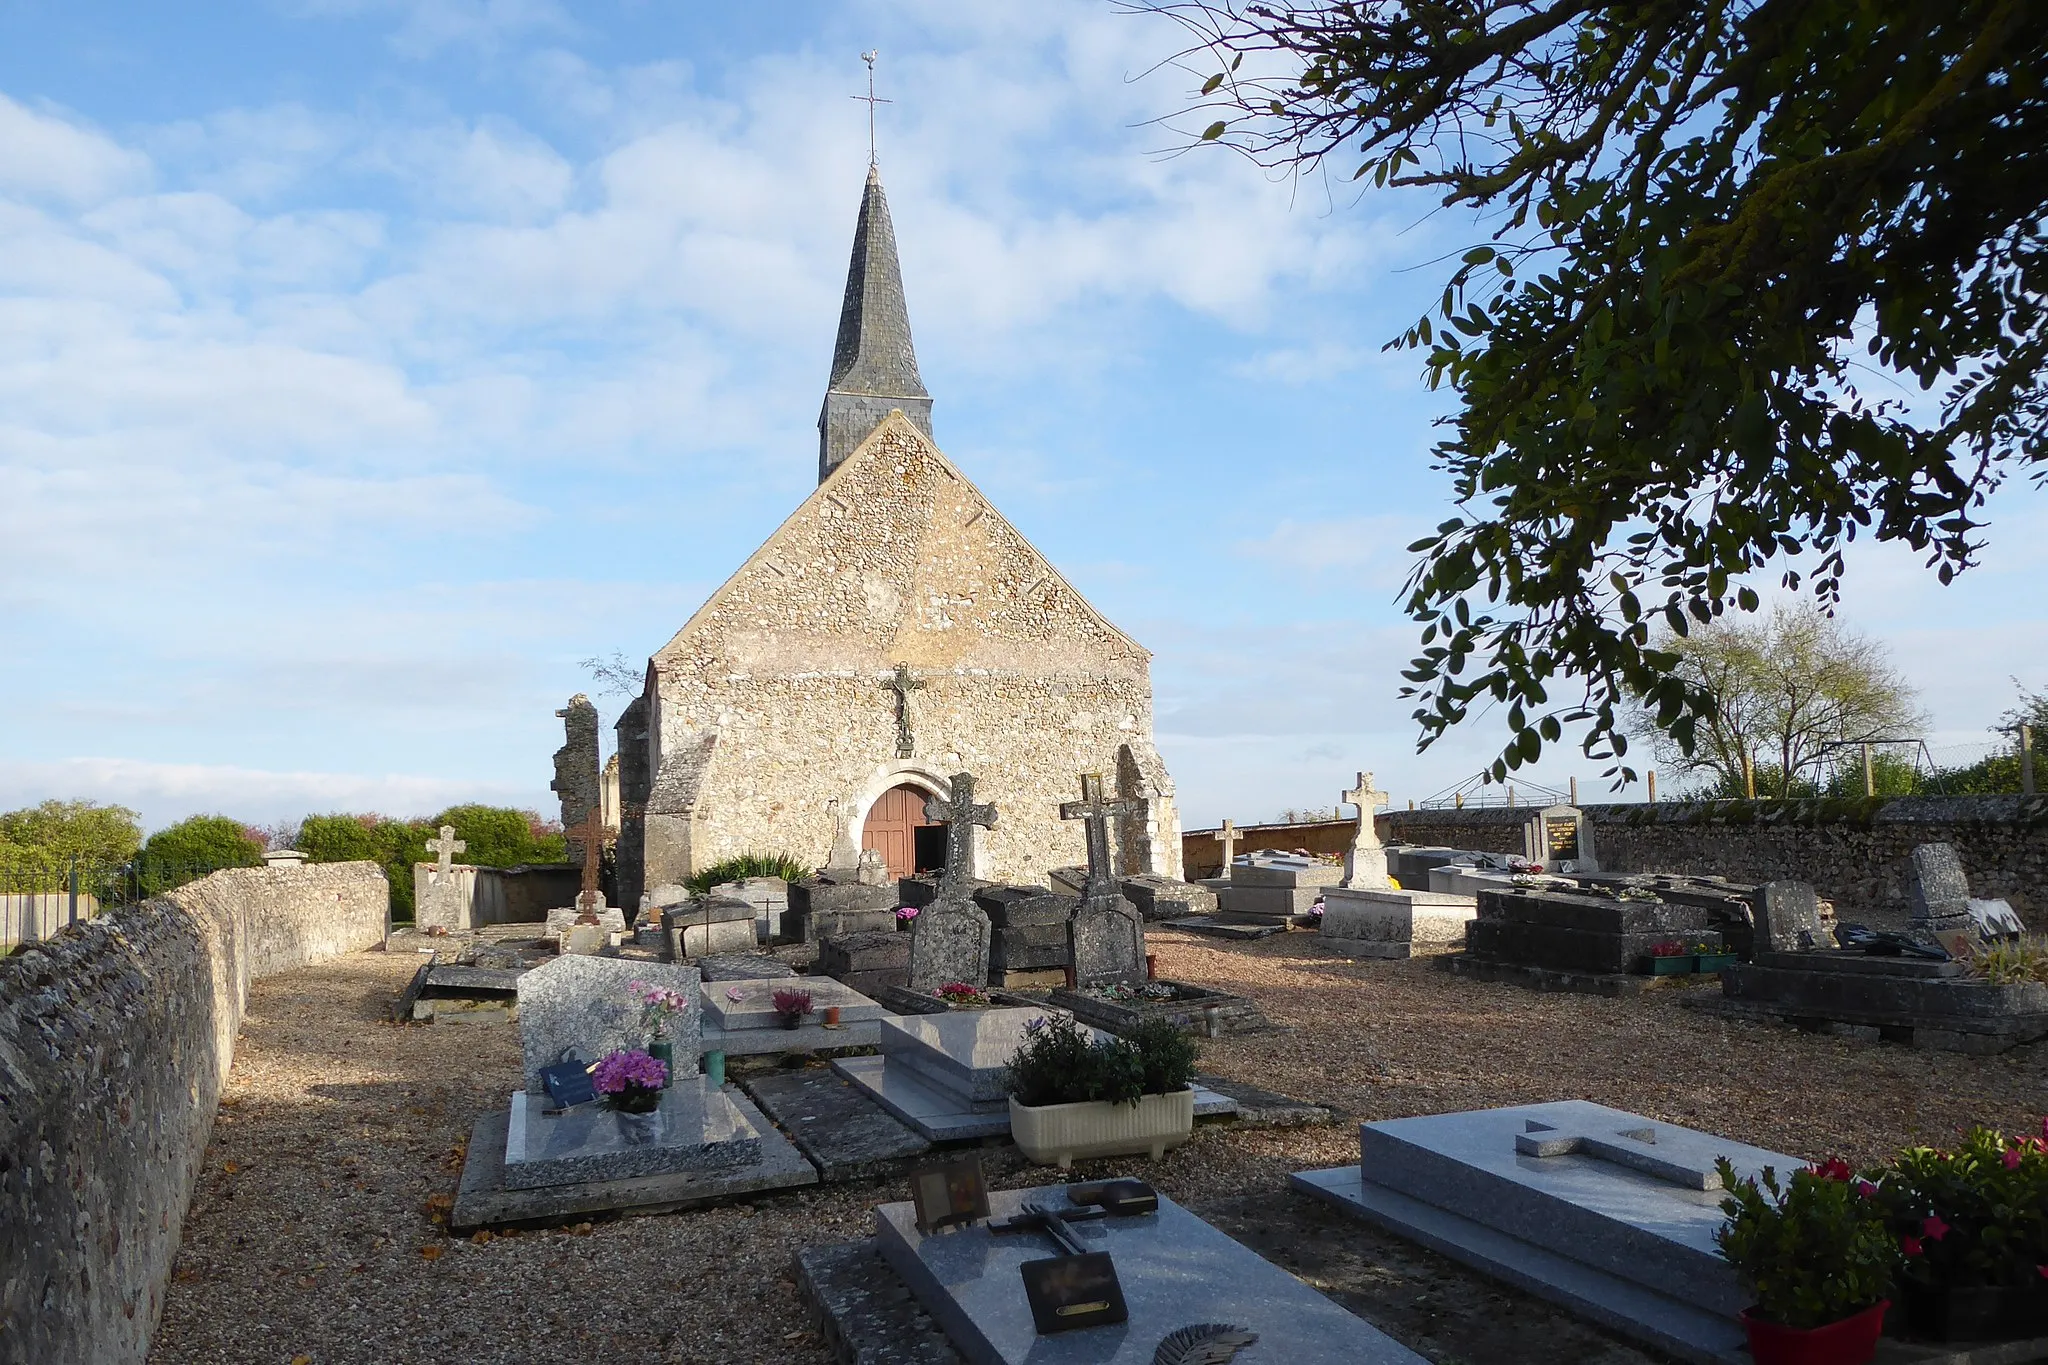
903	684
949	938
1227	836
445	847
1365	862
1106	936
1677	1162
590	832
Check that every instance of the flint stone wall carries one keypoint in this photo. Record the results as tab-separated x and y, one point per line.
1856	853
115	1038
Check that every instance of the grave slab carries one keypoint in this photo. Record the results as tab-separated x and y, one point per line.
942	1116
742	967
1175	1270
834	1123
1233	930
755	1007
966	1053
811	1037
1592	1227
695	1129
1373	922
867	1314
481	1199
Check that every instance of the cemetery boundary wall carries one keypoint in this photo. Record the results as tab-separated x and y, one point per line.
1202	856
503	895
115	1038
1856	853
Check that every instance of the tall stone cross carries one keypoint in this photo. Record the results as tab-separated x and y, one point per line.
447	846
1227	836
1365	864
959	815
1098	813
902	684
590	832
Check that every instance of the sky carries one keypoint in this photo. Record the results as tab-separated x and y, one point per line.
366	365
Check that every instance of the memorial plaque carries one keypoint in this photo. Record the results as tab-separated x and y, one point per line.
1564	839
1068	1293
949	1194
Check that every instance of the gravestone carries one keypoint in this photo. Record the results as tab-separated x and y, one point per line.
1788	918
1278	886
716	924
1393	923
1159	898
1531	935
1106	937
584	1005
837	901
1028	933
868	961
949	939
1226	836
1941	900
1558	839
442	901
1365	862
576	773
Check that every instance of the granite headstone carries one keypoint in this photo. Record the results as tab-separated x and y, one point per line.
949	939
584	1005
1788	918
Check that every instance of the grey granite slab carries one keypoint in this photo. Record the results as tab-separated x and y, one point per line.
481	1199
835	1123
1226	929
1678	1329
1289	874
811	1037
1175	1271
1396	918
583	1004
695	1129
454	976
742	967
943	1116
966	1052
1271	902
755	1007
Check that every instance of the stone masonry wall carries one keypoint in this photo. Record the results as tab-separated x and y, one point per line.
1854	852
114	1041
771	702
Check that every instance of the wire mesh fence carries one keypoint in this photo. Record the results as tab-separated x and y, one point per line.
41	894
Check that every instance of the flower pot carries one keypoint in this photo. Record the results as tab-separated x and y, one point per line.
1851	1341
665	1053
1976	1312
790	1021
714	1070
1057	1134
1714	962
1675	965
831	1016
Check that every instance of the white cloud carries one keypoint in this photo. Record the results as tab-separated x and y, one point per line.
43	156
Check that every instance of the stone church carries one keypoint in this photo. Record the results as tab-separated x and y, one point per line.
895	630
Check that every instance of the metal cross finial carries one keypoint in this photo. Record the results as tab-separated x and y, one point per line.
871	100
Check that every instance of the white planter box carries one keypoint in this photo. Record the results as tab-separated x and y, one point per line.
1055	1134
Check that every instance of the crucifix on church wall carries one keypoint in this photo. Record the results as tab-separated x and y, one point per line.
903	684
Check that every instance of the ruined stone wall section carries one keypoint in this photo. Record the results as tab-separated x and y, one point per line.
895	558
115	1038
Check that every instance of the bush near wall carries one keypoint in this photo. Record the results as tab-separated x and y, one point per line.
497	836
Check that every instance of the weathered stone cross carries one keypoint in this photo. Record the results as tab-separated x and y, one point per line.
1636	1148
1227	836
589	832
960	815
1098	813
447	846
902	684
1366	862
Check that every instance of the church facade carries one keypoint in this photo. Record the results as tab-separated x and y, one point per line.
895	630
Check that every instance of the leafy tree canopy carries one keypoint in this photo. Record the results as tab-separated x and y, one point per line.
66	830
1724	231
499	836
204	843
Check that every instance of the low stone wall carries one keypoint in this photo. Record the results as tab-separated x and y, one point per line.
495	895
1854	852
115	1038
1202	856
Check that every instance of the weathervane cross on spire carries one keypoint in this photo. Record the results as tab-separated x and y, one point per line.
871	100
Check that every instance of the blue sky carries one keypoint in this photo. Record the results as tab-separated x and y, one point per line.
366	364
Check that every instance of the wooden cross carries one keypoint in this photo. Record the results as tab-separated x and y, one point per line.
960	815
871	100
447	846
1227	836
902	684
1098	813
589	832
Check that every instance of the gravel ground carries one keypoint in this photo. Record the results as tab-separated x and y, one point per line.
314	1235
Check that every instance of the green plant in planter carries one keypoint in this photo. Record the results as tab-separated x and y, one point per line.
1814	1250
1974	1216
1059	1064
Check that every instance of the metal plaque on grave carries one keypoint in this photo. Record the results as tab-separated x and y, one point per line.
949	939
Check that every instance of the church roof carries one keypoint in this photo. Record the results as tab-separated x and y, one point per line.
874	365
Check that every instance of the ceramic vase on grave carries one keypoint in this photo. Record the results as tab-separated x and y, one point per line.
1851	1341
664	1052
714	1070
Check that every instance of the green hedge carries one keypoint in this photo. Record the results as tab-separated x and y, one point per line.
497	836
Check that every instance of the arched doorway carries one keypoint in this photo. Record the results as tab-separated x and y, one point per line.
896	828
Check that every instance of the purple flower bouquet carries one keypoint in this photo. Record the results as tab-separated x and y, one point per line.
631	1081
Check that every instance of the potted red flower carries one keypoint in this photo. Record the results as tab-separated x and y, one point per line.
1972	1224
1819	1257
1670	958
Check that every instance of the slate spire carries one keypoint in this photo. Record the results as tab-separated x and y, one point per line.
874	367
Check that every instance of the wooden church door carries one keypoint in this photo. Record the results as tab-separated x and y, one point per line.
892	830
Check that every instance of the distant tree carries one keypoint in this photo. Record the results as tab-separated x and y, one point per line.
499	836
2031	710
1780	691
66	830
193	847
616	674
1726	237
395	845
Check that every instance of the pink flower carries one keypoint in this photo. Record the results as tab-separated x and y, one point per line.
629	1068
1911	1246
1834	1168
734	993
1866	1189
2043	1269
2012	1158
1934	1227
